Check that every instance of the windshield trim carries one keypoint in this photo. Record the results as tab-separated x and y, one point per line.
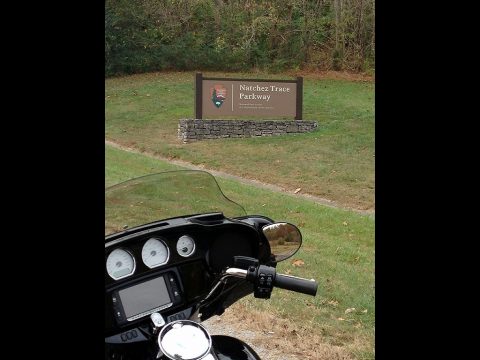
157	224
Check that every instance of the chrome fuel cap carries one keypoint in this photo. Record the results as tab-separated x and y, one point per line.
184	339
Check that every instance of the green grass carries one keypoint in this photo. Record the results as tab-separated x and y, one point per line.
338	251
335	162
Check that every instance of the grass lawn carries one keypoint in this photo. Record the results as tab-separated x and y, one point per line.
338	251
335	162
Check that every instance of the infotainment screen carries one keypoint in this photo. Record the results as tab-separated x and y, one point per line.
144	297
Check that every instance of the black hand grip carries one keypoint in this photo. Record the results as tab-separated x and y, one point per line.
297	284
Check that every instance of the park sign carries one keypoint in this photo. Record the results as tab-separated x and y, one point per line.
220	97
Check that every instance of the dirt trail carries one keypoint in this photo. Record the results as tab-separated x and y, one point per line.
216	326
274	338
259	184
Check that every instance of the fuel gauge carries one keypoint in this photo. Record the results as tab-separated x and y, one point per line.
185	246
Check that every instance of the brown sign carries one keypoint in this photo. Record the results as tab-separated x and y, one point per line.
264	98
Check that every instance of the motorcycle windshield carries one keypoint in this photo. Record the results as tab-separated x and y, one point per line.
165	195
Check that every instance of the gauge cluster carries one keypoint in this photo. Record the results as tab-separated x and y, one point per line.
155	252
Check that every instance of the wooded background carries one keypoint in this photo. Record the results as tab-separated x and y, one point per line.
236	35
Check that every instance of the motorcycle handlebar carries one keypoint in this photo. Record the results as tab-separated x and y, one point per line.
297	284
286	282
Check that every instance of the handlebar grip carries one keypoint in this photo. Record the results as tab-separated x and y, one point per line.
297	284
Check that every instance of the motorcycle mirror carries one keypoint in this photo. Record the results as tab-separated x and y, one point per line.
285	239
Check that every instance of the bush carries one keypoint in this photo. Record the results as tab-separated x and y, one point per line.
152	35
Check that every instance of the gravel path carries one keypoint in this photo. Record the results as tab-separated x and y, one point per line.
216	326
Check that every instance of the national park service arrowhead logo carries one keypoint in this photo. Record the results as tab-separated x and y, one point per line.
219	95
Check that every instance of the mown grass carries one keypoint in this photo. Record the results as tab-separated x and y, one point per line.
335	162
338	251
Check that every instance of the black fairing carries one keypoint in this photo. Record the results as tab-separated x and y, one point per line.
218	240
229	348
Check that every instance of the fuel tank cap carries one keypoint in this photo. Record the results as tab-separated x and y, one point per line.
184	339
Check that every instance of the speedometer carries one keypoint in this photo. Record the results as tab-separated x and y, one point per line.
155	253
120	264
185	246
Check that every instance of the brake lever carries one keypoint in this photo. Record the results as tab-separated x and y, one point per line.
229	272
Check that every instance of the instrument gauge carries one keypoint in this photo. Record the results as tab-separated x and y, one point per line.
155	253
120	264
185	246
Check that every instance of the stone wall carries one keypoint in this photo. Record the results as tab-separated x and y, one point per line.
192	130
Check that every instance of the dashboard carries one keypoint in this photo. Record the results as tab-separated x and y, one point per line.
169	266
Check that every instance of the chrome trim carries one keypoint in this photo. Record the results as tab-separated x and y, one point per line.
134	264
194	246
138	316
164	243
235	272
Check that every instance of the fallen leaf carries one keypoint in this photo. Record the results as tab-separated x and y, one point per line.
341	319
288	271
365	311
297	190
349	310
333	302
345	223
298	262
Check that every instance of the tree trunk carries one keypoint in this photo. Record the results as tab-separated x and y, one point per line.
306	40
336	5
372	41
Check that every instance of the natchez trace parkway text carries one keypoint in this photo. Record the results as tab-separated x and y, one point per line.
265	97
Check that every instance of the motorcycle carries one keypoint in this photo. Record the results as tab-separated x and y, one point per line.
177	252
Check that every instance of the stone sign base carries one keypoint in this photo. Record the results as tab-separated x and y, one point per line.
193	130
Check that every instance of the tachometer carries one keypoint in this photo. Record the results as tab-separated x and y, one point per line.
155	253
185	246
120	264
